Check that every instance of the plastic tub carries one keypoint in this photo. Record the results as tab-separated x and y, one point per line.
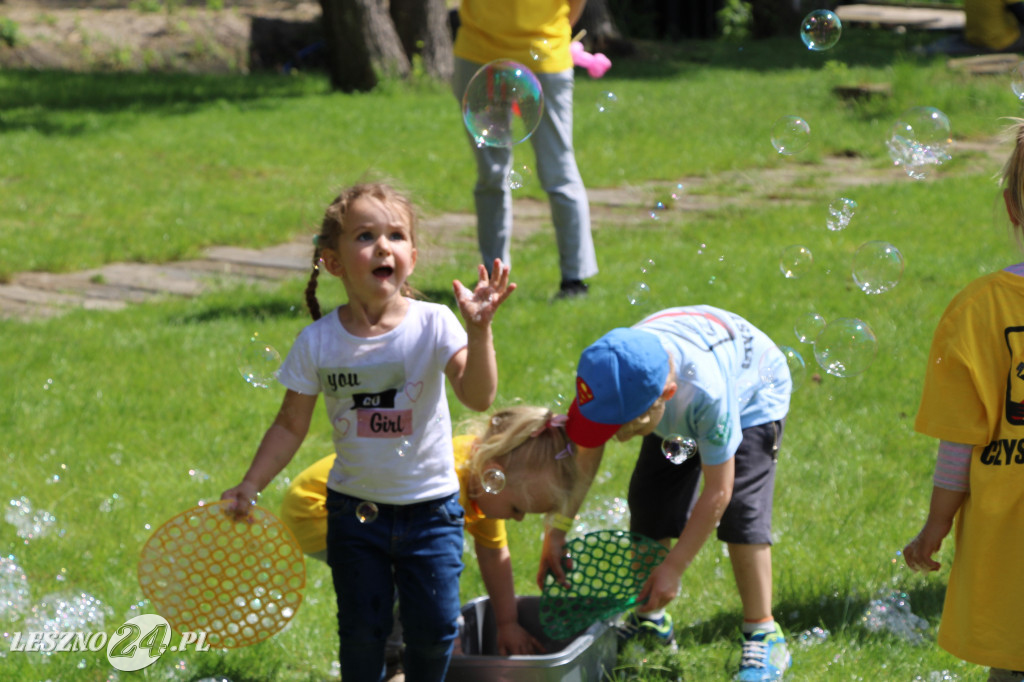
586	657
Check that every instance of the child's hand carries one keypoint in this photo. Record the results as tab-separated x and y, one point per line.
919	551
662	587
554	559
514	640
242	497
478	306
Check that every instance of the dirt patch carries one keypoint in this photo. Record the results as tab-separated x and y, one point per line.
144	35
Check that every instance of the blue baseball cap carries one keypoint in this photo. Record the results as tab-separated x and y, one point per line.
618	378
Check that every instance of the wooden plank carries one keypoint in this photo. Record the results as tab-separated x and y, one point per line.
911	17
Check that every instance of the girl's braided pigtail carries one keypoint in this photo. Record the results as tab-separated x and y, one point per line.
311	302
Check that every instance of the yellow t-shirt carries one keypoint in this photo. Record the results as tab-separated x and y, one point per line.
974	393
535	33
987	23
304	507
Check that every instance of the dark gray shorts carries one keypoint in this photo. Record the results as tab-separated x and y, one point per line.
662	494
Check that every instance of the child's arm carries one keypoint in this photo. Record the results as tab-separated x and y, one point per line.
553	551
919	551
279	445
663	584
496	571
473	372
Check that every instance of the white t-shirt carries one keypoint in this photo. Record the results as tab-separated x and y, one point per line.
731	376
385	397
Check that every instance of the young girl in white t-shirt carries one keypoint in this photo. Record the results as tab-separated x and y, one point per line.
395	523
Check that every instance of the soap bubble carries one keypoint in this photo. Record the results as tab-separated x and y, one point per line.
677	449
770	377
846	347
518	178
840	212
808	327
655	212
797	366
367	512
607	101
820	30
795	261
637	293
503	104
920	138
790	135
258	363
877	267
493	480
540	51
813	636
1017	81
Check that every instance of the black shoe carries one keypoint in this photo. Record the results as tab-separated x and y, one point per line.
572	288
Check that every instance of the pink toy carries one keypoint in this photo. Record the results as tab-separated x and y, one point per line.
596	64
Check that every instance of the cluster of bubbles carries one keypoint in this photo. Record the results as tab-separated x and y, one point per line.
794	361
28	523
258	362
813	637
892	613
938	676
920	140
602	514
502	104
840	213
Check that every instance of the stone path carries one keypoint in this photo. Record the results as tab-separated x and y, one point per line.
34	295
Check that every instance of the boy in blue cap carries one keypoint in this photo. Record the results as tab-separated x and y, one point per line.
707	375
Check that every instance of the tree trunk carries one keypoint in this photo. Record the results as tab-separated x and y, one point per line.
362	44
603	34
423	29
775	17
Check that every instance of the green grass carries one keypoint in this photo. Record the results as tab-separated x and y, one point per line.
146	404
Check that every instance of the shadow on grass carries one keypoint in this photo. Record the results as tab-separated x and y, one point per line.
35	97
835	613
858	47
255	312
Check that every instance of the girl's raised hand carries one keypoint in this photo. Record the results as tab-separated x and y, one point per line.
478	306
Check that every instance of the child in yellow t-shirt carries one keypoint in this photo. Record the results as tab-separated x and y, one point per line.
973	403
505	472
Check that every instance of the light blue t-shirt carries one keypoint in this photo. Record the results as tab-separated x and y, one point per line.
731	376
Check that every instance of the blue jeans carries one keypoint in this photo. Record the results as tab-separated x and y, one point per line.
416	548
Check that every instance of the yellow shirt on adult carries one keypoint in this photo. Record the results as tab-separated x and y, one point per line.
304	508
535	33
987	23
974	394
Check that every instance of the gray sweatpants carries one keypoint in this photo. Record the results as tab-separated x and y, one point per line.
556	169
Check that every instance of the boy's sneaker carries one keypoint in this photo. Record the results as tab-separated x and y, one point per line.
765	656
660	631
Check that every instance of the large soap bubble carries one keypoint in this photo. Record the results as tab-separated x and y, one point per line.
820	30
846	347
502	104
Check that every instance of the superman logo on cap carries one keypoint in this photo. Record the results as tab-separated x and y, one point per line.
583	393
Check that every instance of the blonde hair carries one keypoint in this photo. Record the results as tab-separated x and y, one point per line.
1012	176
523	440
334	222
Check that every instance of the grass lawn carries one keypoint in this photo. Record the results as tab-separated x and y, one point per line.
112	423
